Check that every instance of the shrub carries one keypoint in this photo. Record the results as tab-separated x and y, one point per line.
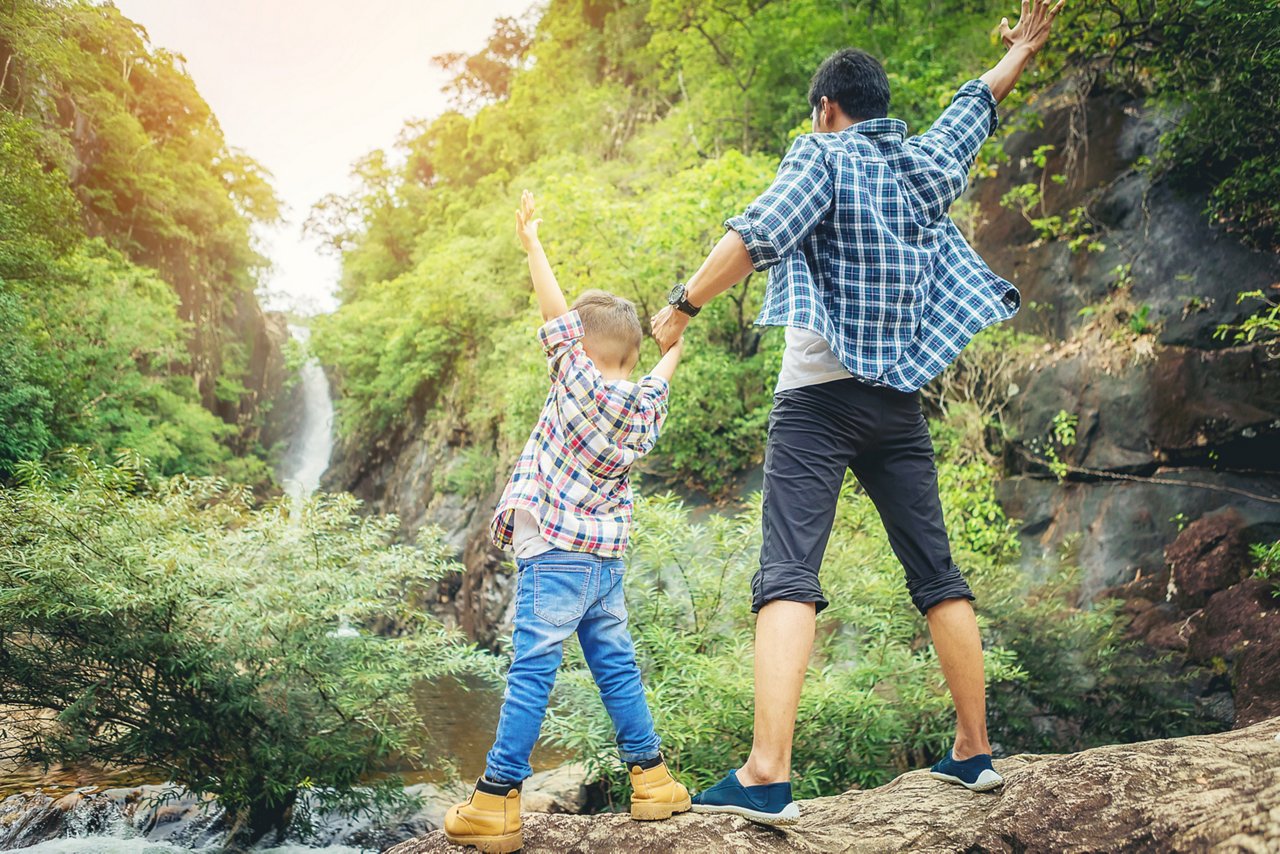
169	625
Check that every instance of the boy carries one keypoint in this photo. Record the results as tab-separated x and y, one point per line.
566	514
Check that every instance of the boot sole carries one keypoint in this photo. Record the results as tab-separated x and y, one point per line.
658	812
504	844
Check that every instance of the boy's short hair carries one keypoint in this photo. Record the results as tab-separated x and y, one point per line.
611	324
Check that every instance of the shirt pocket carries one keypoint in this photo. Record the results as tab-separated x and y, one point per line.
560	591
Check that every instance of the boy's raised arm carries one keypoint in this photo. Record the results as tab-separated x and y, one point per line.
666	367
550	298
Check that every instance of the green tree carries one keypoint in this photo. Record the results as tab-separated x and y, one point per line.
103	136
170	625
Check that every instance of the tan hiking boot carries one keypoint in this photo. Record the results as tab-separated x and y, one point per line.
655	794
489	822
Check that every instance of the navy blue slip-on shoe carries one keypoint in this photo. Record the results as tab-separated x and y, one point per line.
975	773
769	804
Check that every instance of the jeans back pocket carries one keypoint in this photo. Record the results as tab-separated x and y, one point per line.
612	598
560	591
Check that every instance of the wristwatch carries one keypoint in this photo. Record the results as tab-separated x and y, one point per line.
679	298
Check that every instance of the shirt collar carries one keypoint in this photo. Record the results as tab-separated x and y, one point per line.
880	127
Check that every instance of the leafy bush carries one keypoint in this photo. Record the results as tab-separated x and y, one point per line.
1061	675
167	624
1262	326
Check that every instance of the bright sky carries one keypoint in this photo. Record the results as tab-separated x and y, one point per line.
308	86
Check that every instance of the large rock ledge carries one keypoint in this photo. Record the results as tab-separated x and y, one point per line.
1202	793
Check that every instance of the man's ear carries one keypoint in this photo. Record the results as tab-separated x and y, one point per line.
829	110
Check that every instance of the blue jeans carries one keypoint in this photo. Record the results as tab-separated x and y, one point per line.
560	593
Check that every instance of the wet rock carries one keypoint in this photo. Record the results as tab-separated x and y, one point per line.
1215	619
1238	632
1202	793
1210	555
1182	406
1187	270
1258	675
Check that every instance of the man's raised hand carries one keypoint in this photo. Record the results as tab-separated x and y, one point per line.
1032	30
526	223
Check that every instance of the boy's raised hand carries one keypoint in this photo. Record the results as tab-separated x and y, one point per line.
526	223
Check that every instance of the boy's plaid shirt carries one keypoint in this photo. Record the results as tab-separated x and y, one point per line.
573	473
862	252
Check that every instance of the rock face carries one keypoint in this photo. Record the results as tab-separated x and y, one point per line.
1202	793
1205	610
408	474
1156	393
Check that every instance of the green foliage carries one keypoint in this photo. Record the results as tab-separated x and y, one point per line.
472	475
1028	200
1062	677
1140	322
1062	435
1086	684
125	248
1216	64
1266	557
169	625
91	359
1263	325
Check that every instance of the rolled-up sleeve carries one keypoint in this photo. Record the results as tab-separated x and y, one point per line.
800	196
650	415
567	362
559	332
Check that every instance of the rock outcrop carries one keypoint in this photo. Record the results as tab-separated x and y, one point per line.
1201	793
1205	609
1174	421
408	473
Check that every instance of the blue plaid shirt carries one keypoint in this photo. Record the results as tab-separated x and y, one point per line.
855	234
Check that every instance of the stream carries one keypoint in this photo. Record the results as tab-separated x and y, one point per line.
462	715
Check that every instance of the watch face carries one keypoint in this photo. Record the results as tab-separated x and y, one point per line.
677	294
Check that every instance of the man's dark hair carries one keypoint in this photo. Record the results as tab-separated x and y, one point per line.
855	80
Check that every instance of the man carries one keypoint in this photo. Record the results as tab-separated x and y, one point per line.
879	292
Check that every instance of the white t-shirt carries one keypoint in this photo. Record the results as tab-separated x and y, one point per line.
808	360
526	536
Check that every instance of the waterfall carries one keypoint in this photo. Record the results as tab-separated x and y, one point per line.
311	445
312	442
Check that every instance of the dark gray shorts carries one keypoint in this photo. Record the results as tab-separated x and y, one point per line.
817	432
